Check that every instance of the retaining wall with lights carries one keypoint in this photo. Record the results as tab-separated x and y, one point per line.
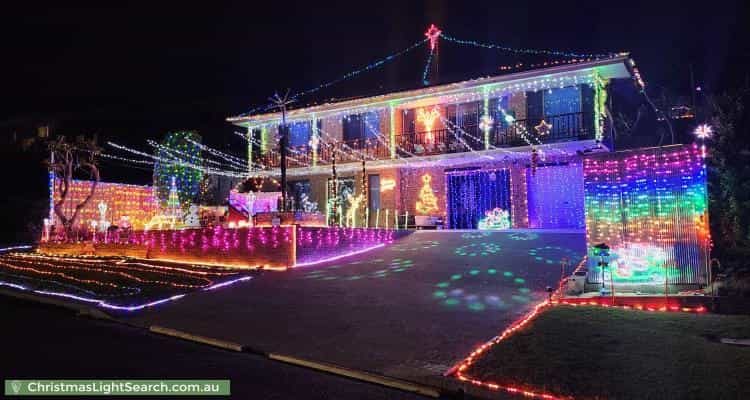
278	247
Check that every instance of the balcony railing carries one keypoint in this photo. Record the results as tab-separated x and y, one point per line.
562	128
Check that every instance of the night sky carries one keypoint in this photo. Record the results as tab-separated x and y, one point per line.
133	72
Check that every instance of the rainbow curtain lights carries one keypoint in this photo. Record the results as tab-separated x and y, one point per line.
650	207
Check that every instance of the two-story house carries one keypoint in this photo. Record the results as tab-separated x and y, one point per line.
455	151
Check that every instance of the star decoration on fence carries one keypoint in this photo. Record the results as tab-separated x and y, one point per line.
543	128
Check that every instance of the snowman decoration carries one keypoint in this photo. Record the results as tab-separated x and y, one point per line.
192	220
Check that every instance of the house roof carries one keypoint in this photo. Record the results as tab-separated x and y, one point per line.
619	66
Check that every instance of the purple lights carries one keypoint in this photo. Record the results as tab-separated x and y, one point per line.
338	257
555	197
117	307
273	247
317	245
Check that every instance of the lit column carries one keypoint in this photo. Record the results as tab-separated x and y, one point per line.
314	140
486	113
392	141
249	150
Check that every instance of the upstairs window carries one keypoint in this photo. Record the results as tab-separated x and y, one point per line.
560	101
361	126
300	133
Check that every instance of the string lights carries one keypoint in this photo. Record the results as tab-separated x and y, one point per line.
461	370
472	193
555	197
522	50
182	163
135	202
649	206
347	76
115	278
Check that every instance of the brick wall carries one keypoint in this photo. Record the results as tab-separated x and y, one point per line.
519	196
517	103
239	248
410	184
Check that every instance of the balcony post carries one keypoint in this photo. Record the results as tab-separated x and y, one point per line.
486	113
392	133
249	150
315	140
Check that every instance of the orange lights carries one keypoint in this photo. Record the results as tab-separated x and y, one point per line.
135	202
460	369
387	184
427	202
427	119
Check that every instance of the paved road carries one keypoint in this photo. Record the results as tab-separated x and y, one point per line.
46	342
410	310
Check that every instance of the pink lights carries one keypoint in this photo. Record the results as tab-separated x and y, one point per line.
318	245
276	247
433	33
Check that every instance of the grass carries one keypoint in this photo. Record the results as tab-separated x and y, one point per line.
591	352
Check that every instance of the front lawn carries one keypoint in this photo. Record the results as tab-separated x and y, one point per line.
593	352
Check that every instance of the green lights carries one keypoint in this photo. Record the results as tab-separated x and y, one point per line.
187	180
475	249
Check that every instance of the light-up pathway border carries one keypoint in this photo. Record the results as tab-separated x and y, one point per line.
109	306
340	256
12	248
459	370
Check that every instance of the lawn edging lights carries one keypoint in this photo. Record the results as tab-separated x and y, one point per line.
460	370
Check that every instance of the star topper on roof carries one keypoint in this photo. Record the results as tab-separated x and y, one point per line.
433	33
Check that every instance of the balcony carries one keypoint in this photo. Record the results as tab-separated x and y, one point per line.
563	128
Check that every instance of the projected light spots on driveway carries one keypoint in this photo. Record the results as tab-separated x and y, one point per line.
553	254
416	246
480	288
523	236
354	271
475	235
477	249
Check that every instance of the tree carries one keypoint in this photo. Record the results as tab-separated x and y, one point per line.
729	186
65	160
174	153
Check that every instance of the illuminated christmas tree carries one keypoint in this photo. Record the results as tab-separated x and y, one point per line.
174	154
427	202
173	201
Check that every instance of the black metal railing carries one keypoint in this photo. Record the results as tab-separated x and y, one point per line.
559	128
455	139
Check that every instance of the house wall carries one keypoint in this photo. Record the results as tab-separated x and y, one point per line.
517	103
519	197
332	128
410	185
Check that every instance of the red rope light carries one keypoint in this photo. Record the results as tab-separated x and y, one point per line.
459	370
